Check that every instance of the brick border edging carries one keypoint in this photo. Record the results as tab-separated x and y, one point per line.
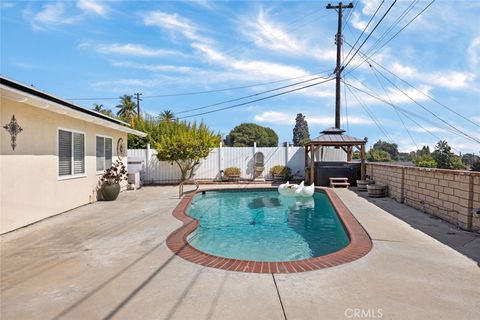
360	243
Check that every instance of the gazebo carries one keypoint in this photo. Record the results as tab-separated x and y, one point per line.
332	137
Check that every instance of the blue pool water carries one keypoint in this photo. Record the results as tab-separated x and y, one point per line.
265	226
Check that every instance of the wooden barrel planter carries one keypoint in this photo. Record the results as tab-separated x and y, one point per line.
377	190
362	184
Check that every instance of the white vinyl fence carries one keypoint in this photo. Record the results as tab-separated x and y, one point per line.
153	171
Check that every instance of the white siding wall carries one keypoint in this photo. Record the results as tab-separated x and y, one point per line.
154	171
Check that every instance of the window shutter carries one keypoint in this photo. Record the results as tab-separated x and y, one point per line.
108	152
100	153
78	153
64	153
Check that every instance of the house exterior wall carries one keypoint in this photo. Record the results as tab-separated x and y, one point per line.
30	188
449	194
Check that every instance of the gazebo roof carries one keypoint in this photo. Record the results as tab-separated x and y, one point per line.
335	136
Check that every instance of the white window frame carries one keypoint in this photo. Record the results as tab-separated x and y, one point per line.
73	175
104	137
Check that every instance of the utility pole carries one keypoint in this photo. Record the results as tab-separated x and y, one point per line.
338	69
138	103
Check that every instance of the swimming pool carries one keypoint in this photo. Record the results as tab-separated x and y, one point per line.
262	225
257	230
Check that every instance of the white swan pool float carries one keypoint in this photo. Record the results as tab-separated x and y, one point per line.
296	190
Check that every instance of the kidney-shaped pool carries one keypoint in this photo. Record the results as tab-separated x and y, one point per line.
245	230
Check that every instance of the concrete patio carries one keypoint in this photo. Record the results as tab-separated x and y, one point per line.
109	260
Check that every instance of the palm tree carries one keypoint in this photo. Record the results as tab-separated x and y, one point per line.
167	115
128	108
97	107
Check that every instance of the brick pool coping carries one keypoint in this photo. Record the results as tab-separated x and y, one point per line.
360	242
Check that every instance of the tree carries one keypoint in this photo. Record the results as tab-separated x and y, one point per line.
185	144
425	151
167	115
405	156
99	108
475	166
127	108
469	159
300	131
245	134
391	148
443	155
378	155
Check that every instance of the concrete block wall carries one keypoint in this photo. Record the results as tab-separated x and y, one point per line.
476	202
448	194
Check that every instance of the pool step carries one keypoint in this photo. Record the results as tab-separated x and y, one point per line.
339	182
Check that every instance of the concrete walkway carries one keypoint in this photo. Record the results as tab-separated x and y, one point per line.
463	241
109	260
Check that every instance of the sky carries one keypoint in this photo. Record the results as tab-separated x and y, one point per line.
229	50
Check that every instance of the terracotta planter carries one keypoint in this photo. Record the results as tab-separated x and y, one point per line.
110	191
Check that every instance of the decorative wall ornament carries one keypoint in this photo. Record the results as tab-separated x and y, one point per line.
14	129
120	149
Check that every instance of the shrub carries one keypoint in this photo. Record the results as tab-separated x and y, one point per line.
231	172
378	155
280	171
115	174
425	161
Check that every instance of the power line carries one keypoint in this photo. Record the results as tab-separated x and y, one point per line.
455	131
393	25
371	115
425	94
396	34
369	59
256	100
350	13
207	91
403	28
401	110
429	111
398	114
371	32
364	29
249	96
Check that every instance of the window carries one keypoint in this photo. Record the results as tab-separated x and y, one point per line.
71	153
104	153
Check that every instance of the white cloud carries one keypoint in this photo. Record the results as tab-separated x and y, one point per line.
51	14
256	68
267	34
284	118
129	84
130	49
454	80
152	67
369	6
474	52
275	117
6	5
357	22
92	6
425	129
172	22
451	79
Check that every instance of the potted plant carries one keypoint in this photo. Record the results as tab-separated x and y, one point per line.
280	173
232	173
111	181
